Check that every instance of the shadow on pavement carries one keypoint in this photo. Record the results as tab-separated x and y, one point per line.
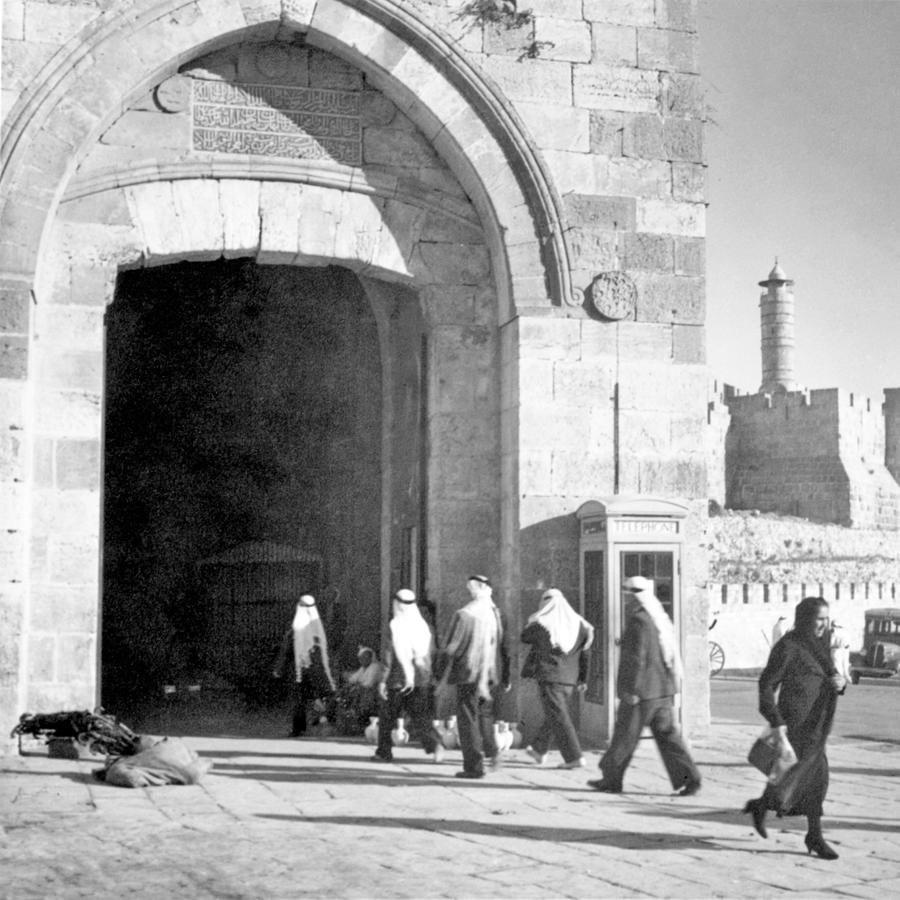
623	840
874	773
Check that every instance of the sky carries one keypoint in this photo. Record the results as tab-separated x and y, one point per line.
803	149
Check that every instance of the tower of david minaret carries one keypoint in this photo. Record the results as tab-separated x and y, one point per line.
776	313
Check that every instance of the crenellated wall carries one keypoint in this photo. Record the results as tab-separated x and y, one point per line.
819	455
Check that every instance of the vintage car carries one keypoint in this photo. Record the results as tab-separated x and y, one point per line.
880	654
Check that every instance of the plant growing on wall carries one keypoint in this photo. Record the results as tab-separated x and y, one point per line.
497	12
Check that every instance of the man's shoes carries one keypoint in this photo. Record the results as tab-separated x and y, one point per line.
572	764
381	759
604	786
539	758
691	788
495	763
466	774
439	753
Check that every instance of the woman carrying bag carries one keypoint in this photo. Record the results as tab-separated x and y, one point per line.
798	692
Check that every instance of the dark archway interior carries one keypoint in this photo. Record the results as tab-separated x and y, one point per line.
243	430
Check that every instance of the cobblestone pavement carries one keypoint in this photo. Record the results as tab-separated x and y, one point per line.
315	818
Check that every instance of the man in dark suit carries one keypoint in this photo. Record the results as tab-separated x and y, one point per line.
649	677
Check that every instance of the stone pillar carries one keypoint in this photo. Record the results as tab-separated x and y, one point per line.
776	307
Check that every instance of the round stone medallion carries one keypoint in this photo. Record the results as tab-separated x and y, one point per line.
613	295
173	95
273	61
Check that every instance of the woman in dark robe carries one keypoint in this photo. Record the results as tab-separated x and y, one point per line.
798	692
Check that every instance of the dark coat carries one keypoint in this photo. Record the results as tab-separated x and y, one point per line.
549	664
795	690
459	672
642	669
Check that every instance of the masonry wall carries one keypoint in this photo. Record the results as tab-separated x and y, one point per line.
819	455
557	254
745	614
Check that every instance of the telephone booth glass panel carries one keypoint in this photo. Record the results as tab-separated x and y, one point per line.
595	613
658	567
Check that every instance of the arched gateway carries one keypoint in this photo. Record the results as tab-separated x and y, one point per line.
363	136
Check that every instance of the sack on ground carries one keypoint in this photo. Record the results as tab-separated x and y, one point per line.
772	754
168	761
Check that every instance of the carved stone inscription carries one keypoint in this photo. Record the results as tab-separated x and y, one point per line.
270	120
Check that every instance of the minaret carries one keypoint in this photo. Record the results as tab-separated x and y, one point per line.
776	308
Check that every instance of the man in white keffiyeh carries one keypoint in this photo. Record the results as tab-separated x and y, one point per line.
312	673
405	689
557	659
649	677
475	658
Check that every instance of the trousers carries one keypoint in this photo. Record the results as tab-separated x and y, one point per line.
415	707
557	722
475	720
659	715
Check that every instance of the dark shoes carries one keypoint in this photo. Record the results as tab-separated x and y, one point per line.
689	789
465	774
381	759
605	787
815	844
758	811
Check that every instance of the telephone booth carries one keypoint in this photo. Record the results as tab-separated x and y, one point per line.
621	537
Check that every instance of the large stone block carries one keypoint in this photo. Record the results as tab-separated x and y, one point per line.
549	338
564	39
577	172
74	560
577	473
616	88
607	133
534	80
15	305
63	609
683	95
614	45
68	327
620	12
592	249
667	51
13	357
558	9
644	340
643	137
78	465
690	256
535	472
600	212
394	147
280	214
688	182
557	127
43	455
553	426
670	298
453	263
508	38
582	383
197	206
76	657
648	252
140	129
12	556
679	15
41	657
689	344
671	217
332	73
91	284
239	205
67	412
637	177
683	140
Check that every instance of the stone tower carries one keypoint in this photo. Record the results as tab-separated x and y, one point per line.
776	308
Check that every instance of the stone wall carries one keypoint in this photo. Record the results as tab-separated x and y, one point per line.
819	455
762	565
537	182
746	614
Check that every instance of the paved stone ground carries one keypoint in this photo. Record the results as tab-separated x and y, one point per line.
315	818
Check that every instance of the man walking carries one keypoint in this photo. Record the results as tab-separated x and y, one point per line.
649	677
476	659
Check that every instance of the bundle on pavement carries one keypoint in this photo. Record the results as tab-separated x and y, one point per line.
159	761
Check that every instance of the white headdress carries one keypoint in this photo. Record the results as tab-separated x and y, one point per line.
561	621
